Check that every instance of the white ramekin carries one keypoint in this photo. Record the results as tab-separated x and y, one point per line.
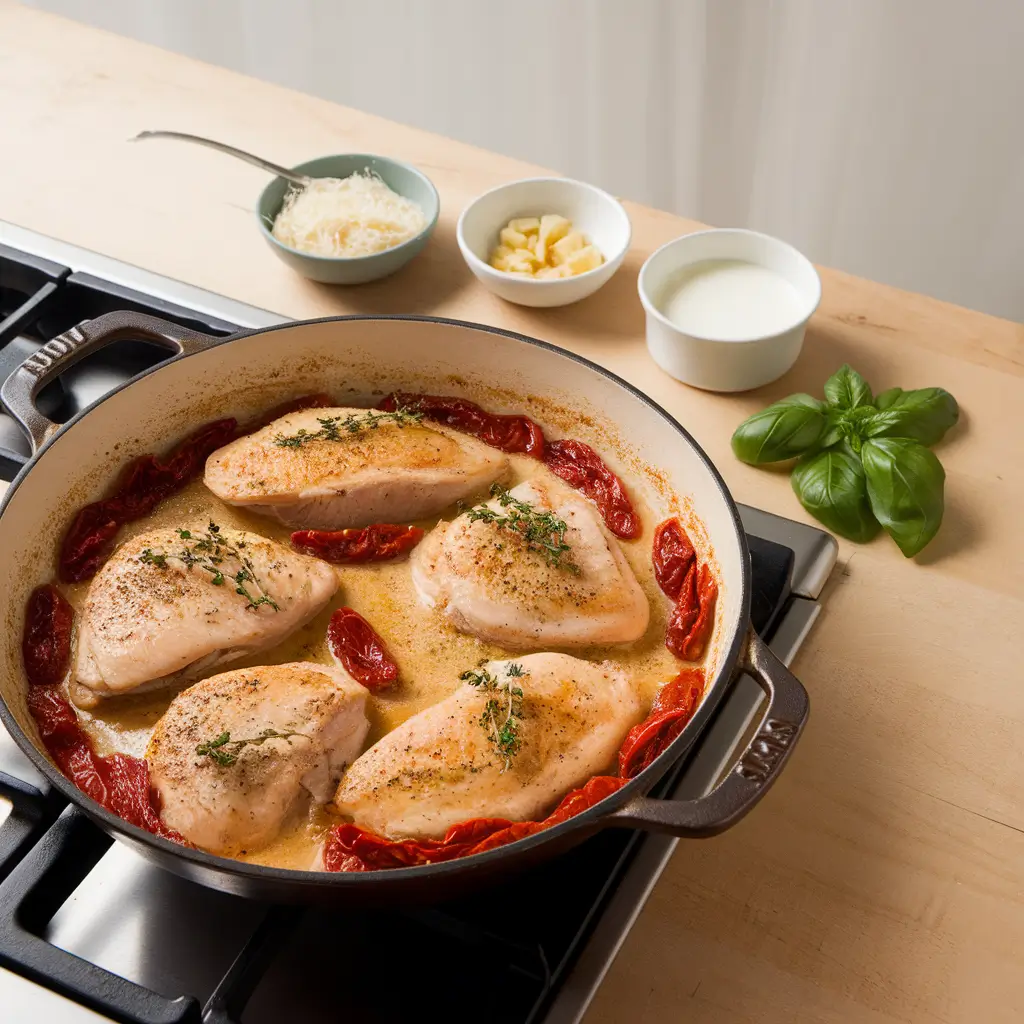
716	365
598	215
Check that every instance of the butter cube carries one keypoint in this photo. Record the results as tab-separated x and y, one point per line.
525	225
550	273
587	258
565	247
512	238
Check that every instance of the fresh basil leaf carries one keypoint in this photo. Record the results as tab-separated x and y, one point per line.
886	398
861	413
905	487
844	424
835	430
783	431
923	415
832	487
847	389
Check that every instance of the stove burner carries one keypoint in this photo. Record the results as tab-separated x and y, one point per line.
87	918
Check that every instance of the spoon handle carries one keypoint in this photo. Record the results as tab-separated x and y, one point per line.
282	172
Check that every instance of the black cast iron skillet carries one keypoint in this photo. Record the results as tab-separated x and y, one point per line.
377	339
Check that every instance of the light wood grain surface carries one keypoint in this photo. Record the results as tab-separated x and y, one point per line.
883	878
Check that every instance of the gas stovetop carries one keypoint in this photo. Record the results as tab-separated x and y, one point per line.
91	932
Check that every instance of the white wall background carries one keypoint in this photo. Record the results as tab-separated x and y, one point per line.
884	137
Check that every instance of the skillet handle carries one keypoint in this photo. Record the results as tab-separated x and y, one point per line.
753	774
20	389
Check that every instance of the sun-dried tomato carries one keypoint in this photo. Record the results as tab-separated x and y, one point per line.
350	848
693	587
581	467
509	433
377	543
575	802
673	556
355	643
685	612
118	782
692	619
144	483
46	638
88	541
673	708
55	718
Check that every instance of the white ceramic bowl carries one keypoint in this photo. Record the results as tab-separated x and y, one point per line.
598	215
716	364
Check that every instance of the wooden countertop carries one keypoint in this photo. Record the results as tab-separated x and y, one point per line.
883	878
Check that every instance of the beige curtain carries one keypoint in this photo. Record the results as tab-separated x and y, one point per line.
883	137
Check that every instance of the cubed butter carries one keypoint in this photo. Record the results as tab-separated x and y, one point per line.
525	225
544	247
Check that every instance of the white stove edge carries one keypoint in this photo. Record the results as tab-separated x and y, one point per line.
24	1001
141	280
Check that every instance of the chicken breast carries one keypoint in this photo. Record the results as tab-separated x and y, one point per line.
170	604
232	755
493	582
330	469
469	757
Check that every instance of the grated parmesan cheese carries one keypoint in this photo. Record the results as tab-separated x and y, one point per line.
345	217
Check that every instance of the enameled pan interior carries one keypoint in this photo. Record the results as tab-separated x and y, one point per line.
357	360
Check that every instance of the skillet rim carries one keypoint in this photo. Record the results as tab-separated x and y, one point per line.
588	821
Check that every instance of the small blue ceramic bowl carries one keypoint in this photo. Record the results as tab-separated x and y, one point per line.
401	178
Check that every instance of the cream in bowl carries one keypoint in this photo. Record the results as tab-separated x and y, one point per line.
727	309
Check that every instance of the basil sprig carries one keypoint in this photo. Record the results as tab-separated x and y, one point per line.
782	431
832	486
847	389
863	461
905	484
923	415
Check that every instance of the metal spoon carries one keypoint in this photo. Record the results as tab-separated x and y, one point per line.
282	172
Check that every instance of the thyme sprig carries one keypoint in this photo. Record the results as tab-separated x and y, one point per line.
216	555
223	750
335	428
543	531
503	711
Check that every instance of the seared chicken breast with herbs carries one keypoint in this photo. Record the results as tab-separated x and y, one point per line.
512	740
331	469
171	604
233	755
533	568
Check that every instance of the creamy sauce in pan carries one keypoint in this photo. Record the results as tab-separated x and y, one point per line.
429	652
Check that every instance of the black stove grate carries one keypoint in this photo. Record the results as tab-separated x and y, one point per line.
500	954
